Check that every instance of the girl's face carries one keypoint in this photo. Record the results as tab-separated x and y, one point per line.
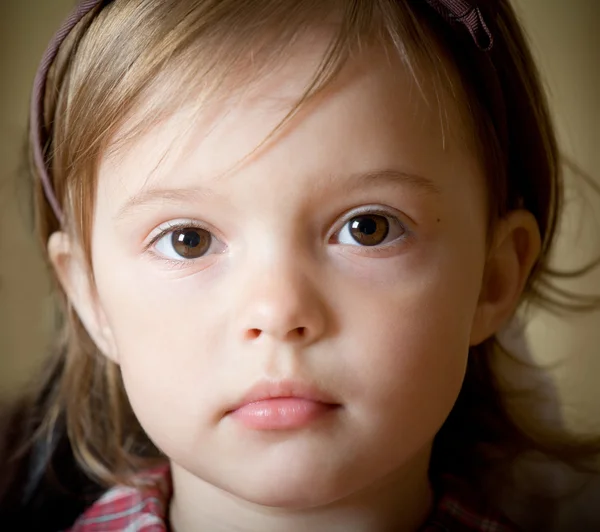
341	263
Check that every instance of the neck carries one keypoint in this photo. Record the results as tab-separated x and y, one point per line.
401	501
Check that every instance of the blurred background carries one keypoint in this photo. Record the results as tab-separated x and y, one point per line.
565	36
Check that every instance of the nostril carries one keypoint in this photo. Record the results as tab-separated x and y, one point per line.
253	334
297	333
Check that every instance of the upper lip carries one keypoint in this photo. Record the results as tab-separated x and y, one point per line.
265	390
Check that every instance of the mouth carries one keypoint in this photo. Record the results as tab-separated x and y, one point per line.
282	405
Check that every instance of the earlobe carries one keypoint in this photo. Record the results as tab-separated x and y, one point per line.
67	260
515	250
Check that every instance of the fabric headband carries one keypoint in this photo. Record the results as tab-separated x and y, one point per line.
460	12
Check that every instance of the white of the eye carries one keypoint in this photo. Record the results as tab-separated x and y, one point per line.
165	245
345	236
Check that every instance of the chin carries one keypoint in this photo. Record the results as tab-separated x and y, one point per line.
288	491
290	499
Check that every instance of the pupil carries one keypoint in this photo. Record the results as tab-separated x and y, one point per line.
367	226
190	239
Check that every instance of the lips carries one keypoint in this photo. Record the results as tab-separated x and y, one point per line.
282	405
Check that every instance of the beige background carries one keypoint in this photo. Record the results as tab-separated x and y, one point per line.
566	39
565	36
25	28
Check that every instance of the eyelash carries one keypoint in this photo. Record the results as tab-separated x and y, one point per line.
171	227
381	248
168	228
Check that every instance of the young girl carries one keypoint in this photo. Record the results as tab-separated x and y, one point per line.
286	233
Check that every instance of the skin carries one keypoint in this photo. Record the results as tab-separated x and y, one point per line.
286	293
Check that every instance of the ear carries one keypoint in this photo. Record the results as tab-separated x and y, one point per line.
515	249
67	259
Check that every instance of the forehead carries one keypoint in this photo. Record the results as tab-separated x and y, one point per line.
374	109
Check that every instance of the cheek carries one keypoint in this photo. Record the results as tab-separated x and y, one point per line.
166	336
408	353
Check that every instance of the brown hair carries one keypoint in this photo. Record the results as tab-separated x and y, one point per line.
104	72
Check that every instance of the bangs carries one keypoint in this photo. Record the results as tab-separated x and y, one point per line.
220	55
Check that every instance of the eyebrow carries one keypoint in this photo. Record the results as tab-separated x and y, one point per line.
388	176
150	196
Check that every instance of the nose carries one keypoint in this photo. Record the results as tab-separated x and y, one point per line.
283	304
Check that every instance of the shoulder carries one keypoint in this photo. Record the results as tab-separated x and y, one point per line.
142	507
460	509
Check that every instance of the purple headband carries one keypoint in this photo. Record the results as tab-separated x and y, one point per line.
460	12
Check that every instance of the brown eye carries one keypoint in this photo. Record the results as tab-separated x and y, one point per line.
369	229
190	242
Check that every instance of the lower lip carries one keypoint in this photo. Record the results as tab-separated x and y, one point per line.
282	413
